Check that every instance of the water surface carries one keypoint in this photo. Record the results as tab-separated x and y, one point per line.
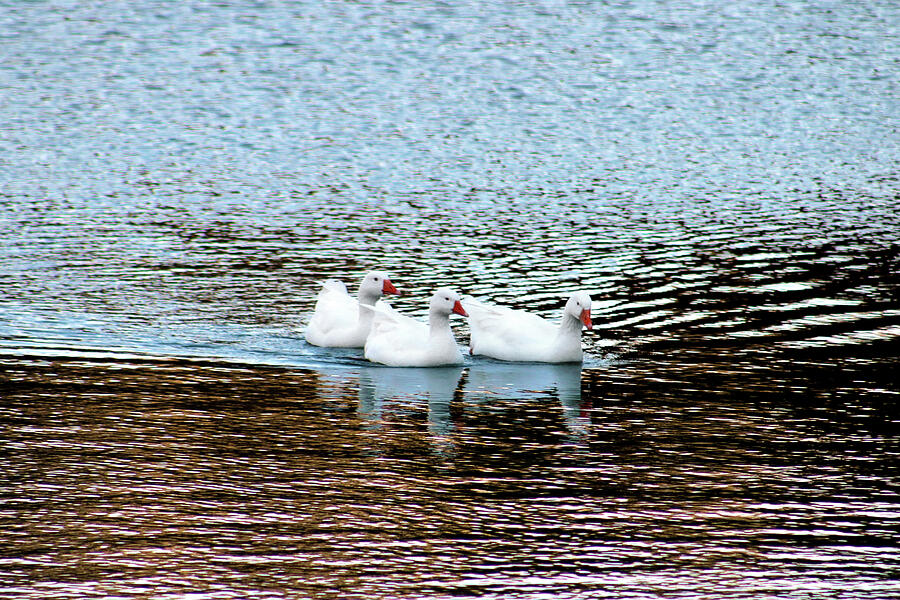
177	178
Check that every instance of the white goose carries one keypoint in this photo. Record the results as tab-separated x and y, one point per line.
516	335
341	321
400	341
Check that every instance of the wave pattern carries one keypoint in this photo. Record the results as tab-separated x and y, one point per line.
177	178
762	278
182	477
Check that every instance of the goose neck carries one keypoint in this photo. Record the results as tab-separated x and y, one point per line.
367	298
438	323
570	326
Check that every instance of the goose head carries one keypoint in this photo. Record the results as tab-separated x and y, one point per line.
579	307
446	301
373	285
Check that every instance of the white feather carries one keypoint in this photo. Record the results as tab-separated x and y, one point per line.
397	340
515	335
339	320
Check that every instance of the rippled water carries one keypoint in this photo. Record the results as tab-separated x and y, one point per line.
176	178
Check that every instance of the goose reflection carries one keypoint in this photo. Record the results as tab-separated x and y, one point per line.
384	391
488	380
387	394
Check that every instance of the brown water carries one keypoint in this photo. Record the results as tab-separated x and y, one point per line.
177	178
176	478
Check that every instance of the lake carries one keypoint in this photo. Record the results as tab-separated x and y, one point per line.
177	179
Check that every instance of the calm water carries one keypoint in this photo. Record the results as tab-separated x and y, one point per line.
176	178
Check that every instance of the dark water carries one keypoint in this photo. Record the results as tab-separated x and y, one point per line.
175	178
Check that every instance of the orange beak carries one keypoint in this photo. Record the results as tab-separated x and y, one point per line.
586	318
388	288
458	309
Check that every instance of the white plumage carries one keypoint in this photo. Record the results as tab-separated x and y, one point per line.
515	335
400	341
341	321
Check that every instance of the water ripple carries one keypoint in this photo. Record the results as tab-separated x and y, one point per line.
180	177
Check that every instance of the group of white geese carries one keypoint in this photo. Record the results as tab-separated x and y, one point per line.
393	339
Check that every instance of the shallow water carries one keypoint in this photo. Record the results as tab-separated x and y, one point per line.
176	180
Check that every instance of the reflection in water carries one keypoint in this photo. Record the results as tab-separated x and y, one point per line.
175	478
385	393
523	382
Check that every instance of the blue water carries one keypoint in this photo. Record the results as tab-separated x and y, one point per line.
177	178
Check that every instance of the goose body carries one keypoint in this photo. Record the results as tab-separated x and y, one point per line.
515	335
400	341
341	321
